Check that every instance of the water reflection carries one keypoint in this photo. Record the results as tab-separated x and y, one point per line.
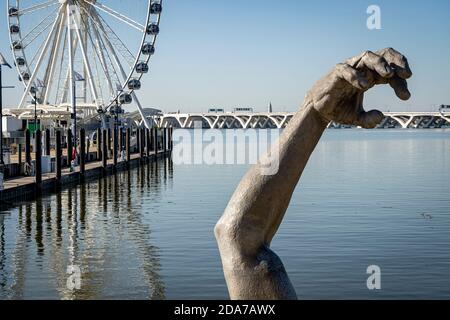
3	279
100	227
365	198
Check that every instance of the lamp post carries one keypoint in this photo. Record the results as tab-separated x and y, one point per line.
2	63
33	91
35	109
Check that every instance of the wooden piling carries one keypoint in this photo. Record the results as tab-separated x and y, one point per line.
165	139
156	141
171	139
69	147
88	150
99	144
104	150
109	141
142	143
120	144
152	139
28	147
147	142
138	139
115	147
38	158
82	152
47	142
127	144
168	138
58	156
20	158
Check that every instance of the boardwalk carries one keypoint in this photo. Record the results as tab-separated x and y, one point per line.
17	188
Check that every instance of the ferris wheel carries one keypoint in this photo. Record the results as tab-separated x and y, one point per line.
86	54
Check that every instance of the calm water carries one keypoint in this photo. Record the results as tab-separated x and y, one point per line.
367	197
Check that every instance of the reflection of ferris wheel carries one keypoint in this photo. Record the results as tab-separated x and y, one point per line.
83	52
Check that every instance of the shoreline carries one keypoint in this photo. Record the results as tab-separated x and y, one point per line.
25	188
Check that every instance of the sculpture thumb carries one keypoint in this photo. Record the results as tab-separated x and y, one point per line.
370	119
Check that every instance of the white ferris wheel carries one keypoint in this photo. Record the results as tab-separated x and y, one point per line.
83	54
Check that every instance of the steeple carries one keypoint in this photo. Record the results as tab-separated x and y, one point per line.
270	108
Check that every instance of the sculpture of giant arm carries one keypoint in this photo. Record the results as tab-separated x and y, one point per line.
250	221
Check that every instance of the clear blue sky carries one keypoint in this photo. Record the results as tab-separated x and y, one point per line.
247	53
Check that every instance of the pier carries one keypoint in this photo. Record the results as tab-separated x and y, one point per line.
27	183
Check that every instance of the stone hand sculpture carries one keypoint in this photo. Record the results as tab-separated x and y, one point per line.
244	232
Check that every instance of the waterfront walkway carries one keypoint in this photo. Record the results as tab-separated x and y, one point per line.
20	187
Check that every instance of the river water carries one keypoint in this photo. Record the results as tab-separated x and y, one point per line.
377	197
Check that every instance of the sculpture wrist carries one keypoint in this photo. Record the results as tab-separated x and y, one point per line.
308	106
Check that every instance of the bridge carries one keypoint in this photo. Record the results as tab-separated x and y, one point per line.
274	120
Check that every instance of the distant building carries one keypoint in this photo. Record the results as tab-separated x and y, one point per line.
216	110
248	110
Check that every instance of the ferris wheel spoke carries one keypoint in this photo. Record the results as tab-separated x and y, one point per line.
38	63
71	48
110	46
113	53
99	55
109	34
99	45
124	75
37	30
111	70
36	54
135	99
37	7
117	15
112	56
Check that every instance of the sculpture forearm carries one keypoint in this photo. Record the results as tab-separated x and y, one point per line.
258	206
256	209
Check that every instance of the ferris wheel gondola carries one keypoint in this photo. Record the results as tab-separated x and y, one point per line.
109	45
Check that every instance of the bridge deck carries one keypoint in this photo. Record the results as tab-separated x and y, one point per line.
263	120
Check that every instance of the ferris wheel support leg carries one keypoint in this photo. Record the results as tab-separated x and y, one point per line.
39	61
141	111
67	77
86	62
51	75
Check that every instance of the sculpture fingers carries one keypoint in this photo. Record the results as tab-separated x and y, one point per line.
370	119
373	62
400	87
352	76
397	61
